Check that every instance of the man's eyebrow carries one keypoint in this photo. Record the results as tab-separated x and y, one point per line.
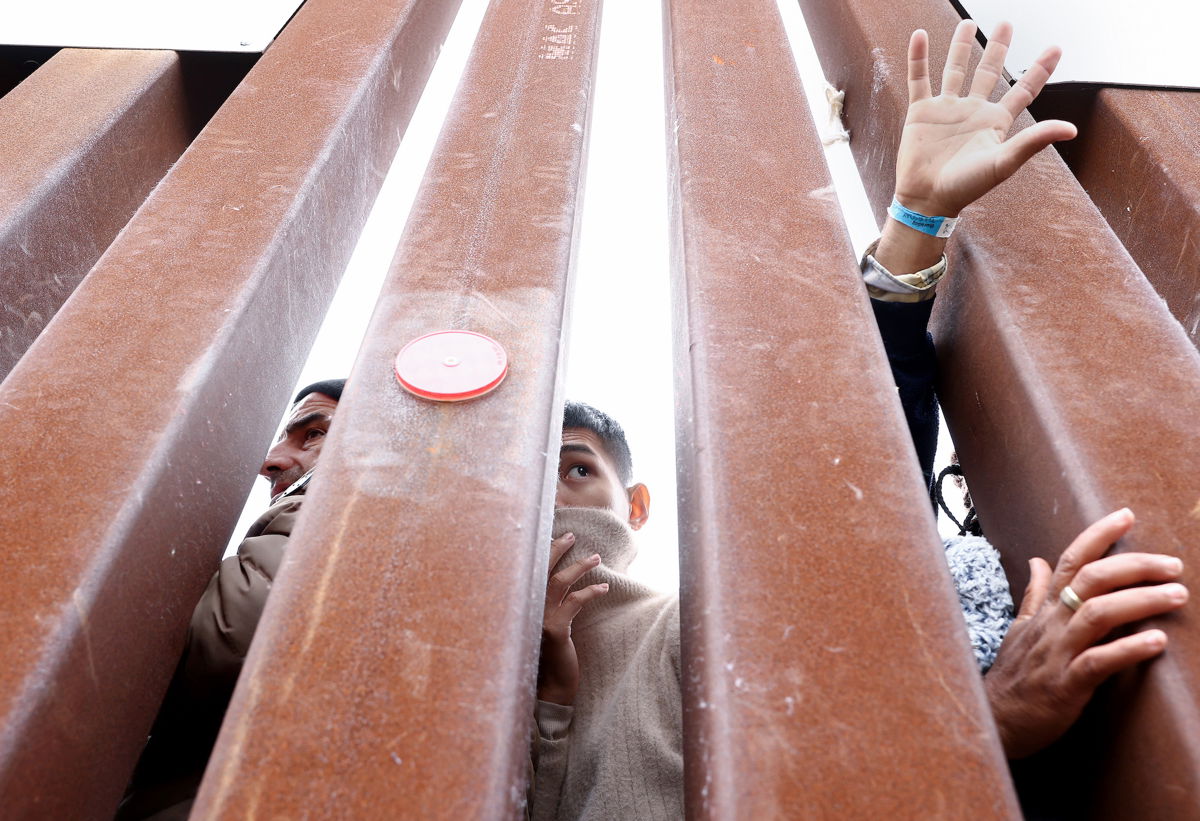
306	420
576	449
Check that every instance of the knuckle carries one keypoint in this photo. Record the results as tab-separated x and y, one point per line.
1069	561
1090	668
1068	566
1087	578
1060	689
1136	564
1094	613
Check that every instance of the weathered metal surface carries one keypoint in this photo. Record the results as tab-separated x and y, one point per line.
134	424
827	673
82	142
393	672
1068	387
1138	157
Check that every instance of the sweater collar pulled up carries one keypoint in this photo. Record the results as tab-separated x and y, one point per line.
598	530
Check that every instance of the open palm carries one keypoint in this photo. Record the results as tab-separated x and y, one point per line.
953	149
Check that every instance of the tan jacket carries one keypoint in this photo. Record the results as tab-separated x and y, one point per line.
223	624
227	615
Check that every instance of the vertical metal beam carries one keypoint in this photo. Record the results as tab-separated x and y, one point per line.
392	674
826	663
134	424
82	142
1069	388
1138	156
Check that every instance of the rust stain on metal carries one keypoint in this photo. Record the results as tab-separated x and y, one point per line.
404	625
1065	382
789	425
133	425
83	141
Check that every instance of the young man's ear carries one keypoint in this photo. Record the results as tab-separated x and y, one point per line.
639	505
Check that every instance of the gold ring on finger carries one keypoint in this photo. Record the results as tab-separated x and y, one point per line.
1070	598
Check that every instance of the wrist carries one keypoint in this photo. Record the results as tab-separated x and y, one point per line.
556	693
999	708
936	226
926	205
559	697
904	250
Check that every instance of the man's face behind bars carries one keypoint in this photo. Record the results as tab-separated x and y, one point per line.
588	477
295	452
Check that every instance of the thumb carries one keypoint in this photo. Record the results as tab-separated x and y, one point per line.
1037	590
1029	141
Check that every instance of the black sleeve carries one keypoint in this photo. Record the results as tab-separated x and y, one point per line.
903	326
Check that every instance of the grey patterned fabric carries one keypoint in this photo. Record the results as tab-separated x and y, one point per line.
983	594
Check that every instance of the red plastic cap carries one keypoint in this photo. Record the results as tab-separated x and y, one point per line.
450	366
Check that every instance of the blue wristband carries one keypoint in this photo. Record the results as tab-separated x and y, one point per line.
934	226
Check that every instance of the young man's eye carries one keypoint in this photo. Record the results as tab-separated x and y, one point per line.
313	433
578	472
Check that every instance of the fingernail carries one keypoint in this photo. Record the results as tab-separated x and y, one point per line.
604	586
1175	565
1177	593
1156	639
568	537
595	558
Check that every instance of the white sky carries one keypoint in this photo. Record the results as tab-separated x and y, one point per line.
182	25
1150	42
622	301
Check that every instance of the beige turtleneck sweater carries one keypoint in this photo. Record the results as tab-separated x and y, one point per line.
617	752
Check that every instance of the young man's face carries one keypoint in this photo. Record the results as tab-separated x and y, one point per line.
295	452
588	477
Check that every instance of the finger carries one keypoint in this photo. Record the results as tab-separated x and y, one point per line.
560	546
1089	669
1038	589
956	59
1025	143
918	66
1101	615
1094	541
1030	84
991	67
572	604
560	582
1123	570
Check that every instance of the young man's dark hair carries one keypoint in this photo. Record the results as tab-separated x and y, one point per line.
581	415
